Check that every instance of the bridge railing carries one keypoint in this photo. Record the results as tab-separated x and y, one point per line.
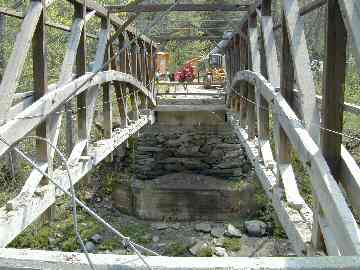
121	74
273	121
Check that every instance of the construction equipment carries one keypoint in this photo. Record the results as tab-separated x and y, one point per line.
188	72
215	72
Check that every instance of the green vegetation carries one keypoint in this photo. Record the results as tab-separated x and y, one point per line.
137	232
111	244
266	212
205	252
175	248
232	244
61	231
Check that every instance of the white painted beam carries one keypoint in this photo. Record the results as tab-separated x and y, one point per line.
54	260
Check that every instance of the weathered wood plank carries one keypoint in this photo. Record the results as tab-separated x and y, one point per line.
253	64
351	15
301	61
17	58
17	128
333	91
178	7
335	208
350	175
24	259
333	87
189	108
92	93
29	208
295	226
19	15
80	67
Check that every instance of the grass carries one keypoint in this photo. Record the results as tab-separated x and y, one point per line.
111	244
175	248
61	230
205	252
232	244
137	232
266	212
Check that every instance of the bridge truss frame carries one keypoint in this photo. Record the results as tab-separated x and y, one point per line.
258	86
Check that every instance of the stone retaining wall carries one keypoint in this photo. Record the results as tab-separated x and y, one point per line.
213	151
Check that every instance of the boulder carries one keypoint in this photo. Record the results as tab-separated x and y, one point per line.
232	231
255	228
96	238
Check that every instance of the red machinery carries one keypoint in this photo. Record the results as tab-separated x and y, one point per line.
188	72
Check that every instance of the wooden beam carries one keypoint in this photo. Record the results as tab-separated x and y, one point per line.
301	62
115	20
351	15
15	14
293	222
82	128
336	210
27	259
17	128
185	38
17	58
178	7
306	9
254	64
30	208
40	75
333	90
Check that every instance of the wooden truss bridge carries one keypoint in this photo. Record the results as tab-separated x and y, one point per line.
270	97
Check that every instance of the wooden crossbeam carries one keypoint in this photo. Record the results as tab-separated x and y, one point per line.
178	7
186	38
25	259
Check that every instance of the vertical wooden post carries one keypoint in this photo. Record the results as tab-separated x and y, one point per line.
254	62
153	52
243	86
286	88
80	12
333	87
333	99
120	88
107	103
40	74
262	106
134	105
2	45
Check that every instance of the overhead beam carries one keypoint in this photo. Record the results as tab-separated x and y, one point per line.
179	7
186	38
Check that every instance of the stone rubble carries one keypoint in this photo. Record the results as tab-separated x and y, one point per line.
232	231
